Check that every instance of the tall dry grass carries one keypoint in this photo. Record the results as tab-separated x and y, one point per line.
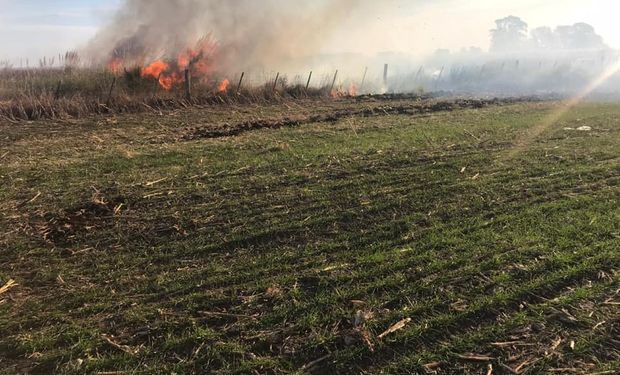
56	93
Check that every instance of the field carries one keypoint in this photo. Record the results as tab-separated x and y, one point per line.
373	235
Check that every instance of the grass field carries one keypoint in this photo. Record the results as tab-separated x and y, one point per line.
439	242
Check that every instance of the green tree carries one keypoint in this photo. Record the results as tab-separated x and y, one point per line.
509	35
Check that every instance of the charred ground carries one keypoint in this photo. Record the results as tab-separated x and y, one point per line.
386	235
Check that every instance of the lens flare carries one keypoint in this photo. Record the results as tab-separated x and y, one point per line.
524	141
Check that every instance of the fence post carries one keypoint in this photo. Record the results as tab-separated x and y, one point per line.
308	83
240	82
334	82
417	75
385	74
275	83
363	80
439	77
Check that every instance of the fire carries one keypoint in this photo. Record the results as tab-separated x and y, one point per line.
115	66
353	90
186	58
223	86
155	70
199	60
160	70
340	93
167	82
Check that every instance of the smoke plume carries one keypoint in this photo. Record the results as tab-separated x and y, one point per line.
249	34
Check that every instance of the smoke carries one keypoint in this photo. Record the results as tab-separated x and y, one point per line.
250	34
291	36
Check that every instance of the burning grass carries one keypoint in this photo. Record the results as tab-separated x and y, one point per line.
399	243
130	82
63	93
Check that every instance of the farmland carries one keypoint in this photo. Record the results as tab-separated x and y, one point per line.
368	235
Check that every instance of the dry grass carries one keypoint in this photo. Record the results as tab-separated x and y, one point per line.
61	93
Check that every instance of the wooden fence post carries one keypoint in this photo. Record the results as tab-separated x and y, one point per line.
308	83
240	82
385	74
275	83
334	82
439	77
417	75
363	79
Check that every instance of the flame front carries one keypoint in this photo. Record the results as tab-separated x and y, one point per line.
156	69
351	91
160	70
223	86
115	66
170	72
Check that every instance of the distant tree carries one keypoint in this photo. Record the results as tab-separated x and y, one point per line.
544	38
578	36
509	35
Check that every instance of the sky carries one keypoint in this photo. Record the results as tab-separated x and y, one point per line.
35	28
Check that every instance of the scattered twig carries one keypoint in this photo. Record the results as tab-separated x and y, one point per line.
433	366
213	313
30	201
598	325
566	369
310	365
9	284
123	348
155	182
475	357
508	368
529	362
511	343
396	327
473	136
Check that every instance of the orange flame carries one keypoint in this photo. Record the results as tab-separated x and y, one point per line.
156	69
115	66
170	72
223	86
341	93
352	90
167	82
186	58
159	70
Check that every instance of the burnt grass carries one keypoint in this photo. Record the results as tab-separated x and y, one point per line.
363	235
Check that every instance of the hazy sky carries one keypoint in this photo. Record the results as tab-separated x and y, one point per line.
32	28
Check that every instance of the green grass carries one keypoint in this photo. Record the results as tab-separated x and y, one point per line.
253	254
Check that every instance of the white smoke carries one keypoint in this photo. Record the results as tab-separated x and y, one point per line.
251	34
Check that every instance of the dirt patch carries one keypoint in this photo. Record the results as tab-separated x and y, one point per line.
61	229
